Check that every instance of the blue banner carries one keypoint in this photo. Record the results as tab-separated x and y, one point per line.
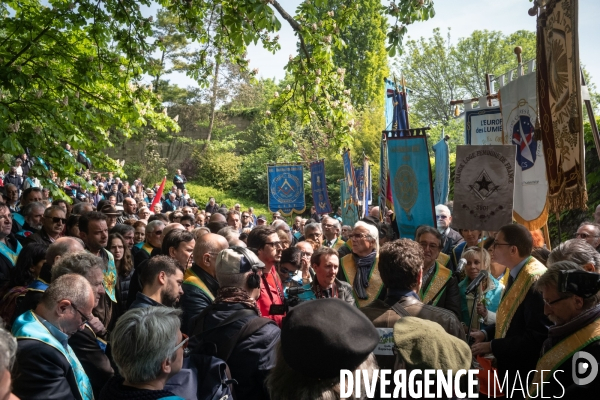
384	196
349	209
442	172
410	176
395	107
350	177
360	181
319	187
286	189
364	187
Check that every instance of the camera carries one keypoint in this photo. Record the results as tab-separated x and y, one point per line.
581	283
293	296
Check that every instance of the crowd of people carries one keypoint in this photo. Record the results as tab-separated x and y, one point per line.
103	297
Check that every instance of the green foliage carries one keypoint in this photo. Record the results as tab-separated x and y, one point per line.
202	193
218	166
151	170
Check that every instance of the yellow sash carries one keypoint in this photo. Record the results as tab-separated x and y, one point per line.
192	279
147	248
440	277
375	284
560	353
512	299
443	259
336	246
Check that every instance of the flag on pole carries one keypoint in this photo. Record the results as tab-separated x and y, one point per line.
319	187
286	189
441	185
158	194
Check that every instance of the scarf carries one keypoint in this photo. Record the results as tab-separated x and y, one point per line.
363	267
558	333
234	294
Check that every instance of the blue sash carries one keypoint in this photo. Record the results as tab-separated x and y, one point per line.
24	233
38	285
110	277
9	254
179	178
19	218
139	245
27	326
169	203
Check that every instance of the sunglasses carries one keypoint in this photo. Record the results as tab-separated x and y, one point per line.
184	342
186	225
158	233
56	220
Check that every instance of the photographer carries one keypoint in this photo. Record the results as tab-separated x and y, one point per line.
571	302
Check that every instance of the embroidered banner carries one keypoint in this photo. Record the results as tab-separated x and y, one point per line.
319	187
483	187
396	116
286	189
385	191
519	116
483	126
560	107
410	177
350	177
364	187
441	185
349	209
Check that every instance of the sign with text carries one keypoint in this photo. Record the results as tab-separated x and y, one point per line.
483	126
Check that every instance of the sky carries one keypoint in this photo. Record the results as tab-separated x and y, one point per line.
462	17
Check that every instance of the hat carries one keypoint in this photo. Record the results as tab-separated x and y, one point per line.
424	344
110	211
148	191
261	218
329	330
236	260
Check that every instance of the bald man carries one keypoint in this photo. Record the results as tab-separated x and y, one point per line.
216	222
200	284
61	247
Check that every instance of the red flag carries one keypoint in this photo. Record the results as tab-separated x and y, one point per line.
158	194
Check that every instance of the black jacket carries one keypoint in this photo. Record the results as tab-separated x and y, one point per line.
41	237
124	282
42	372
194	300
14	179
450	240
212	209
5	264
143	301
180	185
520	349
93	360
115	390
251	359
134	284
450	299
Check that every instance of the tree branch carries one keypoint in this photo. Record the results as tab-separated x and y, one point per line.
294	24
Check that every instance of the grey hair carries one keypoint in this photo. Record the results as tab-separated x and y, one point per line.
277	223
233	280
79	208
551	277
8	349
229	233
443	208
593	224
313	226
29	208
152	225
577	250
335	222
142	339
81	263
373	232
62	247
285	383
72	287
49	210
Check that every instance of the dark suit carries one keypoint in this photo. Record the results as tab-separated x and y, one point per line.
6	265
42	372
92	358
450	299
194	300
450	240
520	348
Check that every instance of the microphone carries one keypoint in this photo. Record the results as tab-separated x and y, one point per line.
461	265
475	284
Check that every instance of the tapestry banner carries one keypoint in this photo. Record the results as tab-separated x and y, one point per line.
319	187
349	209
286	189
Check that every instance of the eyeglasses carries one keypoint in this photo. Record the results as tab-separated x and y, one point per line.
549	303
432	246
245	216
186	225
441	217
306	254
500	244
358	236
314	235
56	220
284	270
84	319
184	342
583	235
327	226
158	233
275	244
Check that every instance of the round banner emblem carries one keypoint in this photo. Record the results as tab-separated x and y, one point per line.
286	188
406	187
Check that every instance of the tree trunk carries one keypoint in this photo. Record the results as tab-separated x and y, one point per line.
213	104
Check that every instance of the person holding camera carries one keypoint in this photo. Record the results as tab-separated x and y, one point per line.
325	263
571	302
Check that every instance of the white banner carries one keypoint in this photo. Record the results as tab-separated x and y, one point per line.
519	114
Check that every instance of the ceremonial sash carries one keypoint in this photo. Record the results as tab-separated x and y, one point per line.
440	277
191	278
28	326
110	278
139	245
443	259
560	353
101	343
336	245
24	233
147	248
514	296
19	218
375	284
38	285
179	178
9	254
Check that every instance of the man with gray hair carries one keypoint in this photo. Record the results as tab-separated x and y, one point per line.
313	231
572	305
450	237
33	214
89	344
147	346
281	225
239	273
53	224
152	243
46	366
229	233
579	251
590	232
331	231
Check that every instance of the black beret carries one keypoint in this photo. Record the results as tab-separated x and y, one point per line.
321	337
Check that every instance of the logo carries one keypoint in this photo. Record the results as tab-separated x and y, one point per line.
483	187
584	364
520	124
406	188
286	188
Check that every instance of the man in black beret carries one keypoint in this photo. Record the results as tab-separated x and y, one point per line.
319	338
